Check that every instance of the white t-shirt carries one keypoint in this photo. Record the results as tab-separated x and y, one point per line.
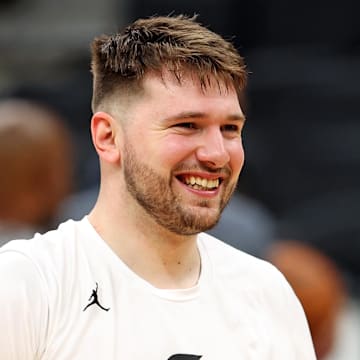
66	295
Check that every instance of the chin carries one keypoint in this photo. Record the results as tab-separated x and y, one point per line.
205	218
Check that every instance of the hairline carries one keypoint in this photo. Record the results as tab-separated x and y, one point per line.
135	90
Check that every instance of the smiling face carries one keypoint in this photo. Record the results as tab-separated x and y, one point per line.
182	152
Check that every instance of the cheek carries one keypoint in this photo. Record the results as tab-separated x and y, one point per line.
237	157
172	150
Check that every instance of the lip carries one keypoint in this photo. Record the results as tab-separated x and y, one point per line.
202	193
205	175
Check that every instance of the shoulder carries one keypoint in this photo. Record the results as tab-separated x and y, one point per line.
42	243
221	253
240	270
45	253
256	280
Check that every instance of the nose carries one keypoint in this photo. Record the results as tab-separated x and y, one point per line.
212	149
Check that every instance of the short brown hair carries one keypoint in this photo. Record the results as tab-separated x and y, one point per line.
172	42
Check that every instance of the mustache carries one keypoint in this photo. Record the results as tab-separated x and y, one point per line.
203	168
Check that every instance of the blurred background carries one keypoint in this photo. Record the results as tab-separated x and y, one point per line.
301	180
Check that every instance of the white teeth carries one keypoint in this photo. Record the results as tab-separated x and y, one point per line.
198	183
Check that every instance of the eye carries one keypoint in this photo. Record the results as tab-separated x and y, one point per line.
231	128
186	125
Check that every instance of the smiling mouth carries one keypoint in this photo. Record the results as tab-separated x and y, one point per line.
198	183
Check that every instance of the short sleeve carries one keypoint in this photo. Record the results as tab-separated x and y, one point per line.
23	308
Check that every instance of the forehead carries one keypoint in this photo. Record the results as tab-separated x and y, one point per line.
176	80
187	91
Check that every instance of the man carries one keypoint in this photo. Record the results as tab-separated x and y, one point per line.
137	278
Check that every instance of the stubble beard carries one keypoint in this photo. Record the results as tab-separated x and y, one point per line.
155	195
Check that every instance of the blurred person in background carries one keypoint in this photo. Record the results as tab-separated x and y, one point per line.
334	318
35	168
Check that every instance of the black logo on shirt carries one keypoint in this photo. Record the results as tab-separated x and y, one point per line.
185	357
95	300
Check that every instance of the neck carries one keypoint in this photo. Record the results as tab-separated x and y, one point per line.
161	257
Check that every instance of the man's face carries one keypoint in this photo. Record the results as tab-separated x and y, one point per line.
183	152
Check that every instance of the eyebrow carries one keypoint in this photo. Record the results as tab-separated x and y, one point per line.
199	115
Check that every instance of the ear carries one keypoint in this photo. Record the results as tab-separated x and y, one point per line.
104	129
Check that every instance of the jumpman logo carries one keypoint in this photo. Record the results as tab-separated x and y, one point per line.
95	300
